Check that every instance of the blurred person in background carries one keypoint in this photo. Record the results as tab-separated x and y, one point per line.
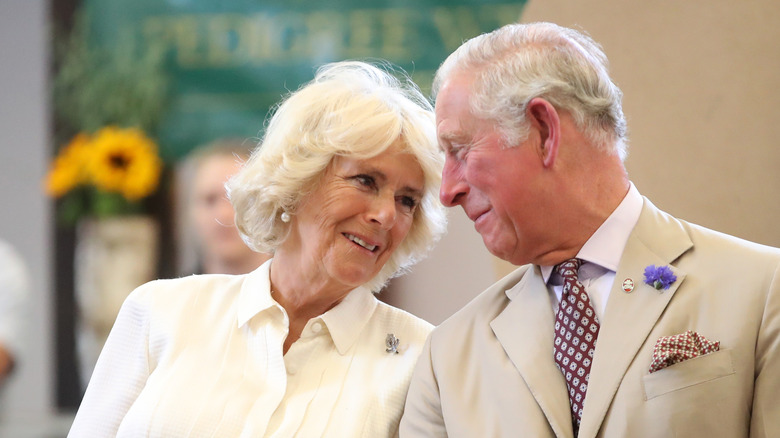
343	191
210	242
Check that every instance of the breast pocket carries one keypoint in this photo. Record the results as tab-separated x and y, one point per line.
688	373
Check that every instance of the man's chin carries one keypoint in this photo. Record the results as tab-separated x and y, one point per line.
496	249
505	252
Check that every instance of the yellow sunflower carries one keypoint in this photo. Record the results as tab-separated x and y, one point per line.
68	170
124	161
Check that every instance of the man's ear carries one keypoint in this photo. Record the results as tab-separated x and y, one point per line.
543	117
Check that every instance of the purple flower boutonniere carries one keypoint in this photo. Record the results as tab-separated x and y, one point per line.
660	277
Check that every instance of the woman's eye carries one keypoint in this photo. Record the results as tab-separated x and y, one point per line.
408	202
365	180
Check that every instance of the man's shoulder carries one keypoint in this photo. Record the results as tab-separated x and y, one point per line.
484	307
704	236
699	234
657	227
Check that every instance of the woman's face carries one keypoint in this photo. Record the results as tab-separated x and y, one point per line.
361	210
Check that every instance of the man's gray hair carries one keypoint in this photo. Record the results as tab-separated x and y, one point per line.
519	62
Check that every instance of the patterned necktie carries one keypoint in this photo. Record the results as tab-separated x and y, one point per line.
576	330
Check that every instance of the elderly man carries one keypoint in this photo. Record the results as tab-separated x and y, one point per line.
621	321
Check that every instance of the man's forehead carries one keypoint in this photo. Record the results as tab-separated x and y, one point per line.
449	112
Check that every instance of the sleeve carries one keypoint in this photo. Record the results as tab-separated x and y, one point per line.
121	371
422	414
765	418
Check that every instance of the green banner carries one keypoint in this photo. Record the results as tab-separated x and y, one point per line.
231	60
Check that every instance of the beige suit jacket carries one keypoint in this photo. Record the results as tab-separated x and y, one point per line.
488	371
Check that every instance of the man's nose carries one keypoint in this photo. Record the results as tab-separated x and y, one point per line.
453	186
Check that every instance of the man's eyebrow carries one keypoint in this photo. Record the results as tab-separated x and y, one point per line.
447	138
452	135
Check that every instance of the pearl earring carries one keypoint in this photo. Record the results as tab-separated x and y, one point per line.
285	217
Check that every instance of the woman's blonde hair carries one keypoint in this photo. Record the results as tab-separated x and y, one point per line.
353	109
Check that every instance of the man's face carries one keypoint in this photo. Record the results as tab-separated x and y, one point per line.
493	183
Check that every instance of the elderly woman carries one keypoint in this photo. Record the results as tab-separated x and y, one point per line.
343	191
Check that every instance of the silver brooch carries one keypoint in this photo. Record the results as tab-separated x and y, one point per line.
392	343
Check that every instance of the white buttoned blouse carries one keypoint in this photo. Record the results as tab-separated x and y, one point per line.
201	356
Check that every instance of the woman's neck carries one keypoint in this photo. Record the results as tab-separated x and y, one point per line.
302	294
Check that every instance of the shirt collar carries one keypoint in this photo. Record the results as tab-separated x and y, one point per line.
255	295
344	321
605	246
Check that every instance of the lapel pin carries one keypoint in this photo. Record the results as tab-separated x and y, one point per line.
628	285
391	342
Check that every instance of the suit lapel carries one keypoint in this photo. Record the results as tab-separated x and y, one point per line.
525	330
657	239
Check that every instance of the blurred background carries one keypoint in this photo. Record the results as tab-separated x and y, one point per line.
145	83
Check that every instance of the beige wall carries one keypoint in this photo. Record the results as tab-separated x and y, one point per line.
701	80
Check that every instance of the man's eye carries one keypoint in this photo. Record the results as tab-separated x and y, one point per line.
459	151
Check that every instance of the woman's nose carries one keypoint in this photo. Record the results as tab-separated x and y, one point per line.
384	211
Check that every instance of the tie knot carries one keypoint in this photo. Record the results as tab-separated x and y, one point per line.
569	268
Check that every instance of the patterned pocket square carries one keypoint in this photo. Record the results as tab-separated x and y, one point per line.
670	350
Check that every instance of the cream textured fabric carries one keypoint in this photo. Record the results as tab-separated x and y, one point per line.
202	356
